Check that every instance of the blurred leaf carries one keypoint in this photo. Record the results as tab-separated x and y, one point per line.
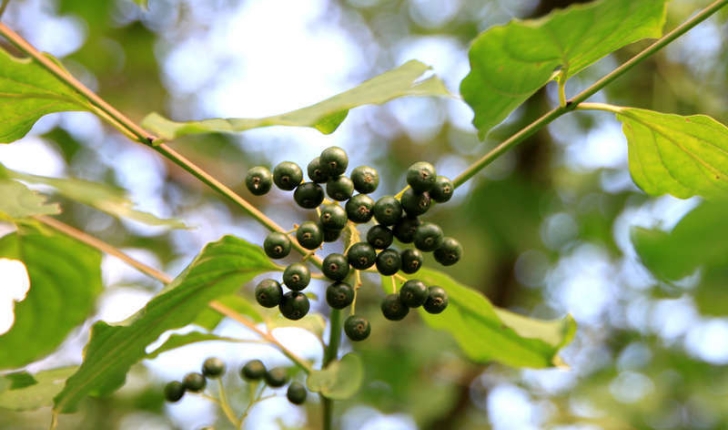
48	384
27	92
511	62
406	80
179	340
18	201
315	323
209	319
65	280
680	155
339	380
20	380
219	270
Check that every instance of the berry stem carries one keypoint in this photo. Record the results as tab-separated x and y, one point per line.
225	406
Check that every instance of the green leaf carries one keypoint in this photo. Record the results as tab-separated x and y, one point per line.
486	333
313	322
180	340
209	319
511	62
48	384
326	116
339	380
65	280
219	270
18	201
27	92
20	380
680	155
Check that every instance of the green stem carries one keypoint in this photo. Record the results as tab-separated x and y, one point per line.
599	106
330	354
225	406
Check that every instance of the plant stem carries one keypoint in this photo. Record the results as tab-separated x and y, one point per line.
599	106
225	406
330	353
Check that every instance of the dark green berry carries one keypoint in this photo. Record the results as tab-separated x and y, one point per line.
387	210
296	276
334	161
315	172
361	255
309	235
309	195
333	217
294	305
388	262
277	245
421	176
339	295
287	175
428	237
357	328
331	235
365	178
296	393
335	266
213	367
259	180
276	377
412	260
340	188
443	189
393	308
413	293
359	208
253	370
405	229
449	252
415	203
174	391
380	236
268	293
436	300
194	382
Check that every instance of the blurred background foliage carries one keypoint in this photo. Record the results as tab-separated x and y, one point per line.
546	228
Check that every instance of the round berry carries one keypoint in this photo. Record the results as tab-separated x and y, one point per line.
315	172
428	237
294	305
415	203
357	328
253	370
413	293
333	217
405	229
361	255
359	208
259	180
335	266
287	175
296	393
412	260
296	276
340	188
449	252
393	308
309	235
309	195
339	295
268	293
442	190
380	236
334	161
213	367
276	377
365	178
436	300
277	245
331	235
388	262
421	176
174	391
194	382
387	210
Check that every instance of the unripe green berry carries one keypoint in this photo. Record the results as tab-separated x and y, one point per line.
296	393
365	178
333	217
335	267
276	377
331	235
443	189
413	293
309	235
387	210
405	229
415	203
277	245
357	328
393	308
436	300
174	391
268	293
309	195
213	367
287	175
253	370
412	260
339	188
194	382
259	180
421	176
388	262
294	305
359	208
380	237
428	237
334	161
449	252
361	255
297	276
315	172
339	295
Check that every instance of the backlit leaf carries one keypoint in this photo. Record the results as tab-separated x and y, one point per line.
18	201
179	340
48	383
340	380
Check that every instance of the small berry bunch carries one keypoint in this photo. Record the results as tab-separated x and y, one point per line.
349	205
194	382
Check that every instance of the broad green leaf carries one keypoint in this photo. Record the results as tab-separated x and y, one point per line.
18	201
179	340
27	92
679	155
410	79
486	333
48	384
511	62
65	280
209	319
339	380
219	270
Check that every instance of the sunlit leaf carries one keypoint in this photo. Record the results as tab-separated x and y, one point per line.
18	201
209	319
219	270
180	340
48	383
511	62
410	79
341	379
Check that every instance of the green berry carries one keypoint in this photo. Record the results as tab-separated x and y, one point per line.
421	176
333	217
287	175
436	300
276	377
331	235
259	180
393	308
412	260
340	188
213	367
361	255
359	208
449	252
413	293
253	370
388	262
357	328
365	178
443	189
194	382
428	237
174	391
268	293
309	195
296	276
277	245
334	161
405	229
380	237
309	235
415	203
387	210
315	172
339	295
335	266
296	393
294	305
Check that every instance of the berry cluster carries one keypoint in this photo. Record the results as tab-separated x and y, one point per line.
394	218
